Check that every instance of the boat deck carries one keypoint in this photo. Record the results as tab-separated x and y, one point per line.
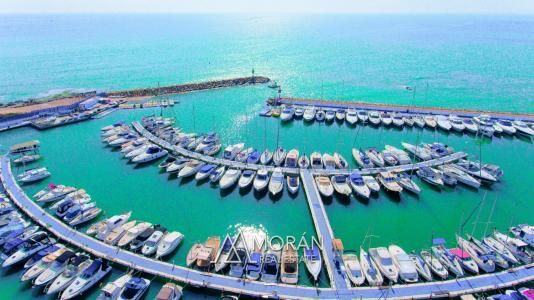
169	271
401	108
291	171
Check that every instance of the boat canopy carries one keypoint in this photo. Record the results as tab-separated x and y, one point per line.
439	241
460	253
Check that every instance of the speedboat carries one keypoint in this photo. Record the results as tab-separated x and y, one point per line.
340	114
421	153
276	184
408	120
55	268
279	156
246	179
216	174
193	253
262	180
371	183
430	121
389	182
484	261
123	140
400	155
229	178
43	264
353	269
271	266
118	232
151	153
112	290
204	172
430	175
254	265
421	266
266	157
438	150
383	260
132	233
151	244
329	162
243	155
138	242
460	175
518	248
223	255
134	289
385	118
405	181
375	156
309	114
133	145
456	123
448	178
351	117
299	112
316	160
289	269
169	291
85	216
57	193
74	268
292	158
494	170
389	157
320	115
287	114
211	149
470	126
443	123
231	151
190	168
362	159
474	169
76	210
324	185
446	257
177	165
341	162
313	261
34	244
524	232
304	162
254	157
522	128
363	116
370	270
419	121
330	115
137	151
33	175
358	185
397	120
500	248
465	259
374	118
404	264
435	265
339	182
293	183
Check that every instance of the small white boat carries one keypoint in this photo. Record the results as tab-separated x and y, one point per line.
132	233
353	269
177	165
151	245
266	157
88	278
55	268
340	114
112	290
304	162
422	267
313	260
375	156
262	180
407	183
299	112
384	261
389	158
352	116
443	123
460	175
292	157
518	248
320	115
293	184
246	179
223	255
435	265
316	160
398	120
85	216
330	115
470	126
506	126
419	121
430	176
385	118
474	169
287	113
363	116
371	183
404	264
150	154
430	121
501	249
328	162
478	255
370	269
190	168
389	182
358	185
408	120
276	184
26	159
33	175
339	182
400	155
457	124
39	267
279	156
341	162
137	151
522	128
324	185
309	114
524	232
204	172
374	118
216	174
229	178
361	158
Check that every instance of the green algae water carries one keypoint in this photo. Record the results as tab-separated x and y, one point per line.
326	58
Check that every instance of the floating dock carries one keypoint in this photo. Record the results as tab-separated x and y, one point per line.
437	289
290	171
336	104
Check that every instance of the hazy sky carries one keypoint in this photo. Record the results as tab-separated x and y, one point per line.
269	6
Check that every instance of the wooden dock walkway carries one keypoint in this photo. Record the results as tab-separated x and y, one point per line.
438	289
358	105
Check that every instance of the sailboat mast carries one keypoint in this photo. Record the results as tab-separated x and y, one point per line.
490	216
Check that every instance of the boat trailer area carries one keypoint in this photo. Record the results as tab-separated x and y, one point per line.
340	289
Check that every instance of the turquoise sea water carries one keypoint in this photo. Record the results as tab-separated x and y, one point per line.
468	61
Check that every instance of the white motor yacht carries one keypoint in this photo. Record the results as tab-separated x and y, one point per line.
418	151
362	159
293	183
405	181
292	158
266	157
522	128
262	180
457	124
137	151
443	123
231	151
33	175
421	266
177	165
353	269
169	242
229	178
75	267
246	179
103	228
313	261
460	175
371	183
358	185
383	260
430	121
419	121
43	264
132	233
434	264
134	289
216	174
375	156
324	185
386	118
397	120
501	249
340	185
151	153
400	155
352	116
484	262
370	269
309	114
470	126
374	118
404	264
340	114
151	245
363	116
518	248
190	168
55	268
276	184
57	193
